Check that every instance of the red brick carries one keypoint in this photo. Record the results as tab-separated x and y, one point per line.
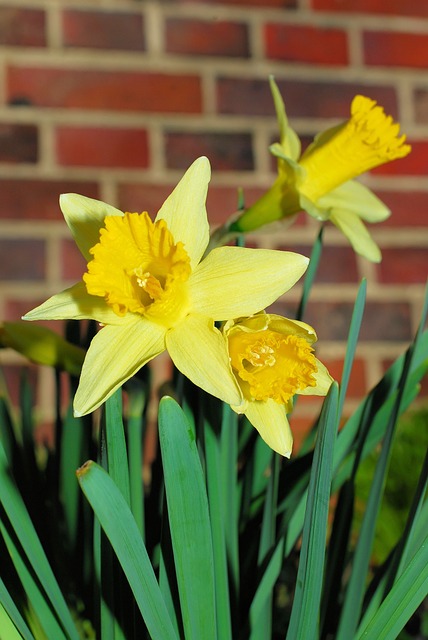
21	27
357	387
396	49
22	259
105	90
18	143
403	265
226	151
307	44
303	99
73	264
391	7
409	208
103	30
206	38
102	147
415	164
38	199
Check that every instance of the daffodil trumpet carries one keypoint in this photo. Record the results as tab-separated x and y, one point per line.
321	180
273	359
148	287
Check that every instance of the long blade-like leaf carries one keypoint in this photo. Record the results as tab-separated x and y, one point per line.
189	522
121	529
306	605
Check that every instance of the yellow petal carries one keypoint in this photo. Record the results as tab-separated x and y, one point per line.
355	197
323	382
199	351
85	216
233	281
353	228
75	303
185	213
116	354
270	420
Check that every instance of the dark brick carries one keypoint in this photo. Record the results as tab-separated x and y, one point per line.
420	102
206	38
18	143
73	264
403	265
408	208
104	90
38	199
391	7
103	30
22	259
385	322
102	147
21	27
226	151
303	99
307	44
337	264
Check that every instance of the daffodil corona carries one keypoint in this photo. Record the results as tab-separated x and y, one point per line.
150	290
320	181
273	359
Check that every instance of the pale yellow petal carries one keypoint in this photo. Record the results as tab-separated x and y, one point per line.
288	137
355	197
199	351
270	420
234	281
75	303
323	380
353	228
85	216
185	213
114	355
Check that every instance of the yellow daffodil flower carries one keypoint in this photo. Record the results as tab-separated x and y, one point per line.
273	359
321	180
149	289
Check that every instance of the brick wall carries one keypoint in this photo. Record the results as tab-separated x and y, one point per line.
115	99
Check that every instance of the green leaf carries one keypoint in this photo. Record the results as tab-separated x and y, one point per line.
27	536
402	601
189	522
212	458
9	609
117	458
306	604
121	529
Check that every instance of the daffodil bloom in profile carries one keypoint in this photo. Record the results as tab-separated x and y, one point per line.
320	181
148	287
273	359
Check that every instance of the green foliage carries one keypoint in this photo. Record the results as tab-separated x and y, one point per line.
227	539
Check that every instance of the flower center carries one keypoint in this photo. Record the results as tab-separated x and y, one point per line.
368	139
272	364
137	267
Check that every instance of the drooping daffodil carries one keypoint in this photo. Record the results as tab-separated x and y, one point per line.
320	181
273	359
148	287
